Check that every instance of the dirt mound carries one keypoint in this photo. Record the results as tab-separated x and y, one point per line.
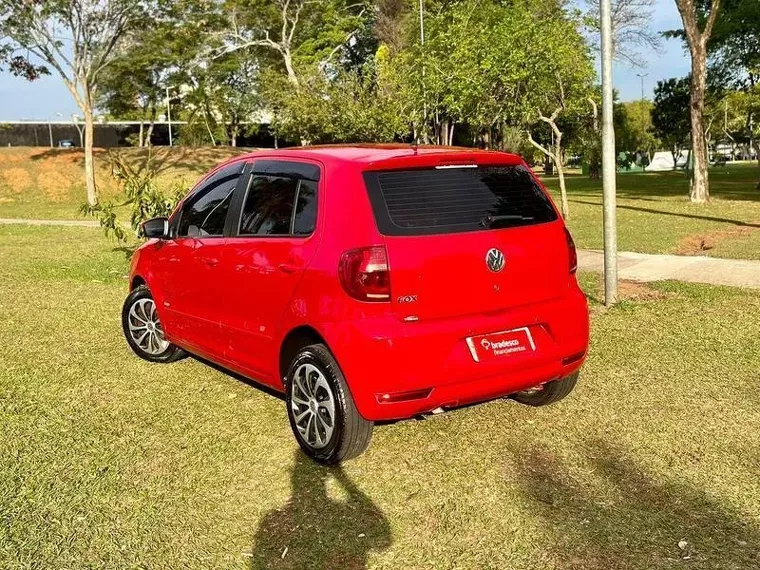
700	244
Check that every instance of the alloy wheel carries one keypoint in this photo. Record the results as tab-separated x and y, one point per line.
145	328
313	406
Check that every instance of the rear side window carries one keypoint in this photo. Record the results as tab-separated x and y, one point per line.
450	200
279	205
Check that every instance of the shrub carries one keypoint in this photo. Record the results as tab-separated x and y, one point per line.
142	197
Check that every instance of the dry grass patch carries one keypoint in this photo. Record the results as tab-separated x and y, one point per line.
49	183
17	179
703	244
593	284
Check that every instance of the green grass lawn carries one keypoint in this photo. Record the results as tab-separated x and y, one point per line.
655	216
107	461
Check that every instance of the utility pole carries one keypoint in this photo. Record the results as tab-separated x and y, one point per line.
424	90
643	116
50	132
608	160
169	115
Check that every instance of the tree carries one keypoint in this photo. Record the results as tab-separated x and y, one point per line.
737	112
734	49
355	105
134	85
698	18
631	28
670	119
234	81
289	29
559	81
734	45
633	126
76	38
289	34
20	66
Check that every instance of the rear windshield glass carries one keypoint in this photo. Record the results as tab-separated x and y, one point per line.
447	200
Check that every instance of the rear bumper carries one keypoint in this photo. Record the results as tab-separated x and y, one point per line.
397	370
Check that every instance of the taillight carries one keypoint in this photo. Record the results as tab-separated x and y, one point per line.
364	274
572	252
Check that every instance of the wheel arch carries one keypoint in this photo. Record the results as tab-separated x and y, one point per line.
296	339
136	281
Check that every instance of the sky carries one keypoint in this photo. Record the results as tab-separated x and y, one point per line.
45	98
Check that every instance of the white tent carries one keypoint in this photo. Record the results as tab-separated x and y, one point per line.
663	160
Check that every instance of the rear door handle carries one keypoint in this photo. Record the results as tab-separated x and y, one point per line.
287	268
210	261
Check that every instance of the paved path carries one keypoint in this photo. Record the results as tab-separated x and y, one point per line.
695	269
76	223
631	266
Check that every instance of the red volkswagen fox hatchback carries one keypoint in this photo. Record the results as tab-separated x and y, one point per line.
366	282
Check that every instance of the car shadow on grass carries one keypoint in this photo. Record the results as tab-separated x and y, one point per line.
633	519
319	531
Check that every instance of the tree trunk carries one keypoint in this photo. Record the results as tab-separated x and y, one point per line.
697	37
555	155
561	173
288	58
700	191
141	140
89	163
443	132
149	133
548	166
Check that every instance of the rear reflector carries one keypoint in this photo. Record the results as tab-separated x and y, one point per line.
365	275
573	358
403	396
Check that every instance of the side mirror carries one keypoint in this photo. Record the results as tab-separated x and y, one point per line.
156	228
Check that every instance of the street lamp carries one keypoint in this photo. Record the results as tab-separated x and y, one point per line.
608	159
50	129
643	117
80	129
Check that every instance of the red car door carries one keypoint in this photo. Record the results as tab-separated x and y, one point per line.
191	283
264	260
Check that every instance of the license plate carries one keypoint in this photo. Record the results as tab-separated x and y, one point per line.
500	344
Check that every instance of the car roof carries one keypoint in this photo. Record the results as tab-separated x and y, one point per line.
379	154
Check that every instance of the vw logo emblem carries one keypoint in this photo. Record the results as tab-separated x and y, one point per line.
495	260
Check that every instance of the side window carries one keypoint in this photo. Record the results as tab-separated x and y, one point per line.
205	211
269	206
305	218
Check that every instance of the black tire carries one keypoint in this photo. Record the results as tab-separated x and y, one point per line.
350	433
551	392
172	353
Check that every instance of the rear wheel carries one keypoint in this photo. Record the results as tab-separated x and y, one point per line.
143	330
548	393
322	413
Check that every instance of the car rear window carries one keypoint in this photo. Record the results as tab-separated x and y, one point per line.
450	200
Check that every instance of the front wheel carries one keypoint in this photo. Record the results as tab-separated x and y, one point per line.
143	329
322	413
548	393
